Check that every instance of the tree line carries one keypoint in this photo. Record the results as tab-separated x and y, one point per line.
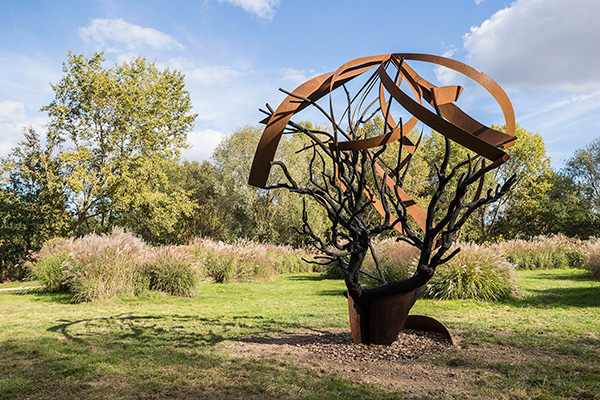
110	156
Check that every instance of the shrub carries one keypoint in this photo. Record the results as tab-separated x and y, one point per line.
592	259
476	272
333	271
245	260
221	268
553	252
51	272
98	266
171	270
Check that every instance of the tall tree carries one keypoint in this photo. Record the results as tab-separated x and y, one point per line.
200	181
114	134
32	205
563	209
529	163
584	169
252	213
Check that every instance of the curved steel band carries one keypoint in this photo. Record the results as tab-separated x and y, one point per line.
452	121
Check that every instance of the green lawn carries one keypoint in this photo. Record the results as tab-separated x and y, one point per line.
165	347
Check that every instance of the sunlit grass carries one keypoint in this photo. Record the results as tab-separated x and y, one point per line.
160	346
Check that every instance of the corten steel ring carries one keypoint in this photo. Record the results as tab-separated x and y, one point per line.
449	120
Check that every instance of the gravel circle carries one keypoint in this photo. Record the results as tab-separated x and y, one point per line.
411	344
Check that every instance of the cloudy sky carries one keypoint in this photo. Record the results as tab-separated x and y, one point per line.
235	54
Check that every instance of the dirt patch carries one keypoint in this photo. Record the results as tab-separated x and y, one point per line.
411	364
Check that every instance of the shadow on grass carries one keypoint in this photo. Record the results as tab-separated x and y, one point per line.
579	290
312	278
39	295
556	275
332	292
184	330
129	356
563	297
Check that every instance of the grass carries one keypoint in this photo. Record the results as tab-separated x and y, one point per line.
159	346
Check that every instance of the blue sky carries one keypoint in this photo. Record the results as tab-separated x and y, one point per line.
237	53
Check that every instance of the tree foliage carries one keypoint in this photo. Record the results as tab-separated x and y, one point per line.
529	163
117	129
114	134
564	209
32	206
584	169
251	213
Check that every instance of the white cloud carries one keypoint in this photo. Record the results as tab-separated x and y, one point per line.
478	2
579	104
212	75
203	145
541	45
296	76
26	78
562	114
11	111
264	9
108	31
444	75
12	115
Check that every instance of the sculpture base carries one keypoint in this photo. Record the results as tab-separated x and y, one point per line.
385	319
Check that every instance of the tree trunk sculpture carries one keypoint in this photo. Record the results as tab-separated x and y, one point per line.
353	173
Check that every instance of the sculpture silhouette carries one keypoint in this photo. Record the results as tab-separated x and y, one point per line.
351	174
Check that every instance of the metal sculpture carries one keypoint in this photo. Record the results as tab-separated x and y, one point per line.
346	193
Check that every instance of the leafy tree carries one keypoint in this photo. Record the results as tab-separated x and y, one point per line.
159	206
252	213
114	134
238	204
571	205
199	180
32	208
564	209
584	169
529	163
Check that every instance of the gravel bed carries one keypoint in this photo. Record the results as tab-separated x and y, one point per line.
411	344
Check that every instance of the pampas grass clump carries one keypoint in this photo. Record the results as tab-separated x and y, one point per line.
99	267
102	267
245	260
545	252
592	259
397	261
476	272
171	269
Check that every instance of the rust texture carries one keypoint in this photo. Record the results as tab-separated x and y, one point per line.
447	119
382	319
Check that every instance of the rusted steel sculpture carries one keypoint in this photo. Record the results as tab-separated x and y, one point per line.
349	176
